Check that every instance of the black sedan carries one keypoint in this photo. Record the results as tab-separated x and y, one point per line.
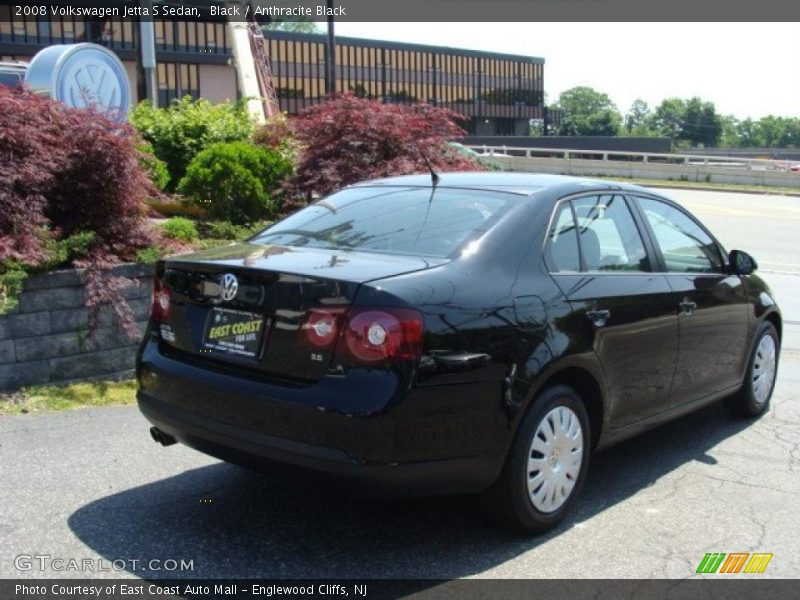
479	333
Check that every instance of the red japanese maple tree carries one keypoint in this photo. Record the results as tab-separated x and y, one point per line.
348	139
65	172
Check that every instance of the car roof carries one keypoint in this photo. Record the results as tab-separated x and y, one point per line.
526	184
15	66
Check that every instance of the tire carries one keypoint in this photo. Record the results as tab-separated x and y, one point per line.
762	368
509	501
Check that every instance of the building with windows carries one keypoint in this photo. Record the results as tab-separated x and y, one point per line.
498	93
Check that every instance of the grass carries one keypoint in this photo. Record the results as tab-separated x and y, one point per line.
69	397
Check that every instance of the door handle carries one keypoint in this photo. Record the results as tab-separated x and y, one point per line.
598	316
461	362
687	306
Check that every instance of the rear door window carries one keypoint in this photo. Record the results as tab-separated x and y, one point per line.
12	80
609	238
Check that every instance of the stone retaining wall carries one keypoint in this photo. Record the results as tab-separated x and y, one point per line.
44	340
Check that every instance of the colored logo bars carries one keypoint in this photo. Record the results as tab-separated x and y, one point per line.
734	562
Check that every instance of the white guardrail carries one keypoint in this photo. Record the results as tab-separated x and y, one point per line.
643	157
643	165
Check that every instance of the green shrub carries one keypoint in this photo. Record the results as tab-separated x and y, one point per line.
181	229
225	230
178	133
12	275
155	168
59	254
150	254
235	181
62	253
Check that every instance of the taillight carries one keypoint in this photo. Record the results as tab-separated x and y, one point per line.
365	335
162	301
378	335
322	327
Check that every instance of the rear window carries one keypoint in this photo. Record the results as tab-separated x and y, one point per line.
391	220
12	80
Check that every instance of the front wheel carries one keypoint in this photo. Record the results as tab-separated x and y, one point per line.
754	397
546	466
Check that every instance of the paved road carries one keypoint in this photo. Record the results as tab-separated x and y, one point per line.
91	484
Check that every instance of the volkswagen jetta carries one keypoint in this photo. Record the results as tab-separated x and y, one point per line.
477	333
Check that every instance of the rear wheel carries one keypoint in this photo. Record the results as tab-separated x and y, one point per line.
754	397
546	466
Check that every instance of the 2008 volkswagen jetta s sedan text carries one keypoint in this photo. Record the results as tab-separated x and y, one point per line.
475	333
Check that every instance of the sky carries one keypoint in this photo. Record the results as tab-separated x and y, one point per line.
745	69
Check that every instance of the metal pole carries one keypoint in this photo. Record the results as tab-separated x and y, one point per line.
330	57
147	53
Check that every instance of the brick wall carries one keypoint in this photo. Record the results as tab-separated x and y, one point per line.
44	340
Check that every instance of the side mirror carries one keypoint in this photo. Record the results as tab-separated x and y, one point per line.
741	262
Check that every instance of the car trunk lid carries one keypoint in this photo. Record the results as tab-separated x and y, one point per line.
257	327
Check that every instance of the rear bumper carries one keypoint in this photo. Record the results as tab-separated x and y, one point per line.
262	451
425	442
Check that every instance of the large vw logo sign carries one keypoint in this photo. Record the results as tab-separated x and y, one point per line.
228	287
82	76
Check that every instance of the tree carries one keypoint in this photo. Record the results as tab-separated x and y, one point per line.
730	131
792	133
749	134
668	117
637	116
347	139
71	194
293	26
701	125
587	112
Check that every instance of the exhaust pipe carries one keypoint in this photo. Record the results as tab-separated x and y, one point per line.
162	438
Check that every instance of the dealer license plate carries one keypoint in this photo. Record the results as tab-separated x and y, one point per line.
234	332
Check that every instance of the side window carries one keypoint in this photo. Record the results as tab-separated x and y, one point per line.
562	246
609	238
685	246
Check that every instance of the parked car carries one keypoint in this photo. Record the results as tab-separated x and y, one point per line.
12	74
483	333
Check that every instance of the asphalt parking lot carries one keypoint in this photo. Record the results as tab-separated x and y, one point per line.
91	484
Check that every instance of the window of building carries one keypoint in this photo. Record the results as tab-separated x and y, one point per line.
5	23
176	81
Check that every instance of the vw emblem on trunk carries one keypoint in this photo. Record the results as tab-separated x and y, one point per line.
228	287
